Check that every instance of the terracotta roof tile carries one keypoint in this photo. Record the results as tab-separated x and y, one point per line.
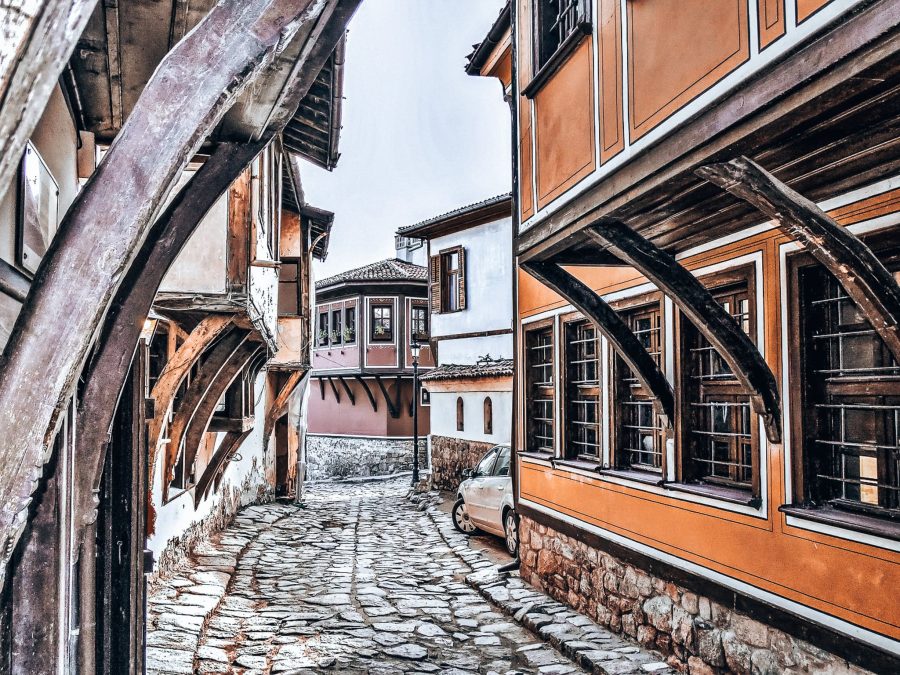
392	269
484	368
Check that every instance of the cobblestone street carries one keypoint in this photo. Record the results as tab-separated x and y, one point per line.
359	580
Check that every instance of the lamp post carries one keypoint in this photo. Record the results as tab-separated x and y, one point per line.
414	348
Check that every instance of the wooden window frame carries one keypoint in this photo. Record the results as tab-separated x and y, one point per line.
460	414
870	519
295	284
687	479
323	327
569	450
442	280
350	311
488	406
547	63
413	309
389	335
528	331
337	314
618	392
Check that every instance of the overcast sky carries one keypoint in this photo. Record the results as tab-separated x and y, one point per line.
420	137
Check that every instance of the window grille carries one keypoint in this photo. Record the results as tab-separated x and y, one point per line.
541	390
582	391
557	20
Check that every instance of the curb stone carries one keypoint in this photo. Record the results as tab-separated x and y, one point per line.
573	635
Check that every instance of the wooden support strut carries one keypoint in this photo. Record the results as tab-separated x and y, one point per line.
365	386
191	89
698	304
337	394
347	389
858	270
280	403
610	324
229	445
392	409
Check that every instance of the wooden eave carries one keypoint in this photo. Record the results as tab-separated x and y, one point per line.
487	48
463	219
413	289
824	120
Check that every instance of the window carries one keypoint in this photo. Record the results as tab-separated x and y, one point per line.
486	466
639	433
350	324
850	397
541	395
720	438
448	280
289	288
488	416
419	323
337	329
460	414
382	323
582	388
322	334
501	468
557	21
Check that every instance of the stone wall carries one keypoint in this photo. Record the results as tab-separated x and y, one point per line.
329	457
699	635
449	456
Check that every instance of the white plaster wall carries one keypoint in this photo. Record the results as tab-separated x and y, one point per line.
489	271
443	415
467	350
246	474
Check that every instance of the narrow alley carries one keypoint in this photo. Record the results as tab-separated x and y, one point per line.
356	580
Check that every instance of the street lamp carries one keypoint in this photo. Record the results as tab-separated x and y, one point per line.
414	349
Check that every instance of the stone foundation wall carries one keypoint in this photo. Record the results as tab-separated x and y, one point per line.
449	456
700	636
330	457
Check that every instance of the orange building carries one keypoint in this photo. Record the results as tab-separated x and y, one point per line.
707	394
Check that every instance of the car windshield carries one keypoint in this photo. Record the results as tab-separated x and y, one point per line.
502	466
486	464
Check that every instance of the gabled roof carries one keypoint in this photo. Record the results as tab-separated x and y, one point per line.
392	269
486	211
484	368
481	51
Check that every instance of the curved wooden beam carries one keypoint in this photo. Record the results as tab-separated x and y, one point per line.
280	403
347	389
337	394
365	386
196	427
857	269
229	445
610	324
219	356
392	409
191	89
697	304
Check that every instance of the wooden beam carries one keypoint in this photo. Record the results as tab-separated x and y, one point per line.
610	324
322	387
337	395
38	39
280	403
698	305
858	270
218	357
196	427
217	463
190	91
347	389
365	385
12	282
392	409
398	395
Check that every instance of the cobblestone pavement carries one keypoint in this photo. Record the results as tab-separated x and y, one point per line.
356	581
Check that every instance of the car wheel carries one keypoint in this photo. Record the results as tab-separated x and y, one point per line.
511	528
461	520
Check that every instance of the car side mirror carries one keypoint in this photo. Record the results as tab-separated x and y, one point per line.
468	473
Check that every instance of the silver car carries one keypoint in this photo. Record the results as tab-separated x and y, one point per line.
485	500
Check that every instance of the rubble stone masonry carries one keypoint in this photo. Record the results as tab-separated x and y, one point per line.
329	457
700	636
450	456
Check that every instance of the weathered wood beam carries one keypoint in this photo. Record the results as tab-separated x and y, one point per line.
365	386
392	409
218	357
223	454
196	427
611	325
191	89
347	389
280	403
337	394
13	282
38	39
701	308
858	270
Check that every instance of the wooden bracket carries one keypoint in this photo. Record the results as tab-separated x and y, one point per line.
392	408
610	324
280	403
365	386
347	389
217	463
337	394
858	270
701	308
322	387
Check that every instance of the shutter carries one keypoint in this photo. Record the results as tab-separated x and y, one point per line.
435	282
462	278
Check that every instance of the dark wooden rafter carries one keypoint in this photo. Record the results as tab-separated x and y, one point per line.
611	325
699	306
337	394
859	271
217	463
280	403
322	387
38	40
365	386
393	409
197	425
189	92
218	357
347	389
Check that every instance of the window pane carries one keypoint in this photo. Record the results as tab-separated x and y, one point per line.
582	391
541	393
